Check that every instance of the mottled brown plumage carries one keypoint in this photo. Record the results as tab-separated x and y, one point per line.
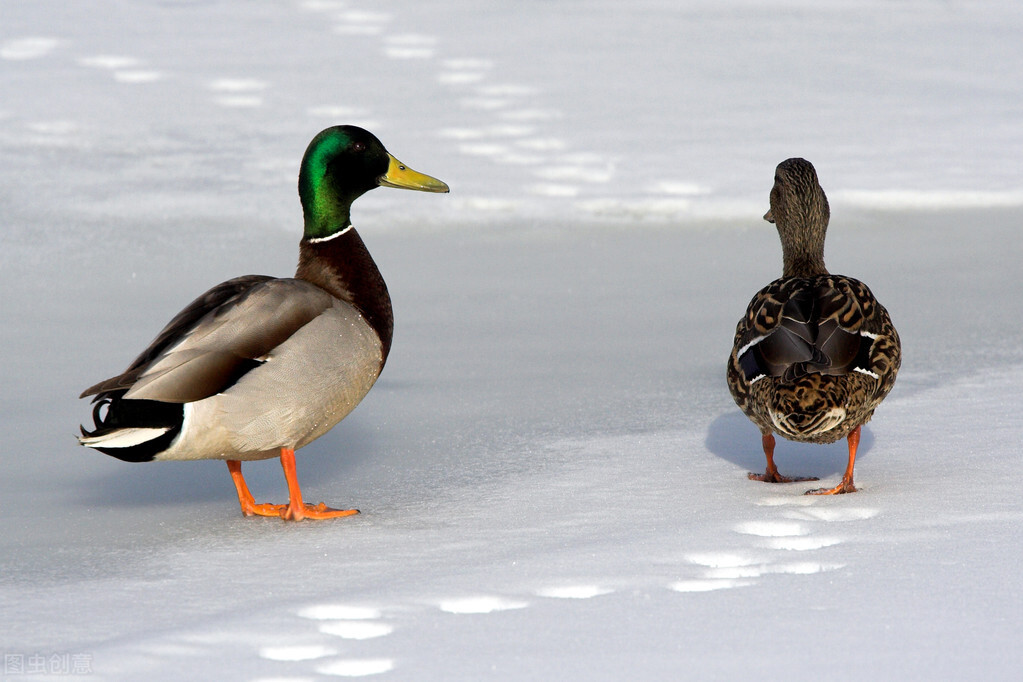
815	353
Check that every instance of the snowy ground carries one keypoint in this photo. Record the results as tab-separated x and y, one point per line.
550	470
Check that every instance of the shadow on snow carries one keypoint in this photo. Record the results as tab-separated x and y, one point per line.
735	438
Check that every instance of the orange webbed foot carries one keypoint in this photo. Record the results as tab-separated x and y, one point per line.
774	477
315	512
771	475
306	511
840	489
846	486
263	509
296	509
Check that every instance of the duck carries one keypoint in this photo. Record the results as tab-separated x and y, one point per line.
258	366
815	353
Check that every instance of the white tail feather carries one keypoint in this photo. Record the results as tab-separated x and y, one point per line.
123	438
822	424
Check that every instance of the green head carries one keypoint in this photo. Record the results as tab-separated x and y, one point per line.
341	164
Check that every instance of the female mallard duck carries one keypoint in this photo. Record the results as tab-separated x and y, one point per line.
257	367
815	353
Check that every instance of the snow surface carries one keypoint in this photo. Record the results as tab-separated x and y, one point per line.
551	471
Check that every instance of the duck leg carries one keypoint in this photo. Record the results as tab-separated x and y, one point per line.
296	510
772	475
249	506
846	486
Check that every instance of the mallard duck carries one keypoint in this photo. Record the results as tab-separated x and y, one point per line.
258	367
815	353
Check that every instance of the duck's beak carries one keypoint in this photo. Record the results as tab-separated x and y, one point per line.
401	176
768	217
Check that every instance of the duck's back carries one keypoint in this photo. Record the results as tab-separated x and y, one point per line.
254	364
299	390
813	357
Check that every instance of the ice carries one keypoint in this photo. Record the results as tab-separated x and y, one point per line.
551	473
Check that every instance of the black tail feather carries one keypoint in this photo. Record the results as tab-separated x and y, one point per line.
121	413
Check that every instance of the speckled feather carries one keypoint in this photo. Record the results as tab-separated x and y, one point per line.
815	353
850	304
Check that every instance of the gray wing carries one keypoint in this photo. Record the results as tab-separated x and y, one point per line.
182	323
218	338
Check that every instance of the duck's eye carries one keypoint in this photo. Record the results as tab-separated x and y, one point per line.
359	147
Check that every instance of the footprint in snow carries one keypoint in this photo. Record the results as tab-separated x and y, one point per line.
493	604
23	49
588	168
464	71
530	115
798	516
799	544
296	653
323	5
496	97
771	529
511	138
708	585
719	571
346	622
792	529
123	68
410	46
356	623
56	134
481	604
573	592
832	514
348	21
360	22
355	667
555	190
238	92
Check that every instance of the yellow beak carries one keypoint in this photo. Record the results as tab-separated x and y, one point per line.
401	176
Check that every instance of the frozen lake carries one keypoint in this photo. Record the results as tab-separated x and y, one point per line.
550	469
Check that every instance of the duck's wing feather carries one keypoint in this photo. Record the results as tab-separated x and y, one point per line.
826	325
220	336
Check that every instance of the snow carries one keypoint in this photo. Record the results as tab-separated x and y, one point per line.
550	470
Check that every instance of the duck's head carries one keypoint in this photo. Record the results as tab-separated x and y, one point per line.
341	164
800	211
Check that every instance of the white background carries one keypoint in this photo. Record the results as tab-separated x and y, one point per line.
551	472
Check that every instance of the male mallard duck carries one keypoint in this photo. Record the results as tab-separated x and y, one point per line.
258	366
815	353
